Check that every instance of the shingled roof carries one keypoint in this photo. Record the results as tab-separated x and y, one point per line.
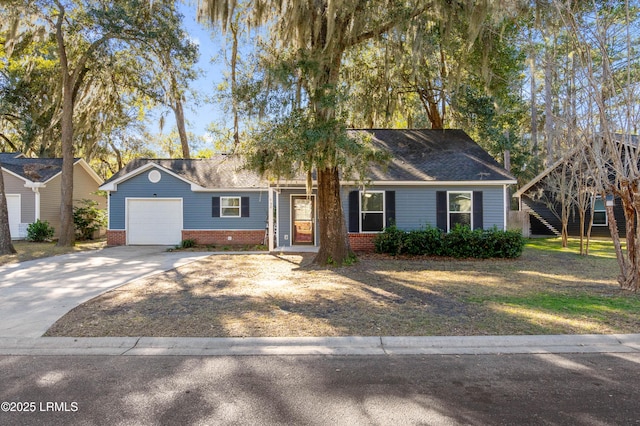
417	155
433	155
32	169
221	171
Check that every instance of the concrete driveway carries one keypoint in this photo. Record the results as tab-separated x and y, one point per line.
35	294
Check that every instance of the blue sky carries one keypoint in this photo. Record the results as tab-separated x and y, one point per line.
198	118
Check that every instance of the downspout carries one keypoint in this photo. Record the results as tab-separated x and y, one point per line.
108	210
507	206
35	187
36	190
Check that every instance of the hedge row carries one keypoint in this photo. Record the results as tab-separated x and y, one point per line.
461	242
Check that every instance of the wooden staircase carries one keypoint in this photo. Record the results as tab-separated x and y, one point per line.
542	220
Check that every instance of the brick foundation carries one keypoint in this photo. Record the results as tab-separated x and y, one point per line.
222	237
362	242
116	237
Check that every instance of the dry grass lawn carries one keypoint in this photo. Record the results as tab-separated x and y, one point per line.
223	295
28	250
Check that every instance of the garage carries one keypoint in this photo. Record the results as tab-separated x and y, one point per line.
154	221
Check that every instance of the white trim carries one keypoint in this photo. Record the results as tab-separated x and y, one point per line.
218	230
390	183
90	170
449	204
270	220
85	166
313	219
506	209
109	210
277	218
239	207
384	210
37	199
198	188
22	178
113	185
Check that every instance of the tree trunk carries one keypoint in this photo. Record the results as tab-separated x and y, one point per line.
66	235
334	239
6	247
534	106
234	86
548	108
182	132
629	278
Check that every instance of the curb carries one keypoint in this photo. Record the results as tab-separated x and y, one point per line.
352	345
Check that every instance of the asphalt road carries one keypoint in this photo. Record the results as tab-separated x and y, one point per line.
545	389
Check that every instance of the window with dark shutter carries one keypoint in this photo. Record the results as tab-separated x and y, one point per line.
215	207
245	207
390	208
441	210
477	210
354	211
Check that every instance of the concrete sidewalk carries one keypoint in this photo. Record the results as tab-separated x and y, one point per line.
36	293
471	345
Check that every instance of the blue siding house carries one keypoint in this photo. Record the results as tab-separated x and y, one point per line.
435	178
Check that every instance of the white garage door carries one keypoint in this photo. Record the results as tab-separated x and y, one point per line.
154	221
13	205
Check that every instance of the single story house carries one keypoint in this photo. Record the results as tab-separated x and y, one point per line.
543	213
32	188
436	178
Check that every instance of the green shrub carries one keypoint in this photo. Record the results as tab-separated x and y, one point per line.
88	219
389	241
188	243
460	242
423	241
40	231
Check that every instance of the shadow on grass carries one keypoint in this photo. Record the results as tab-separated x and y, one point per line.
264	295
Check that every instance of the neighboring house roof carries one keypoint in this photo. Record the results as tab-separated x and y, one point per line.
434	155
221	171
9	155
38	170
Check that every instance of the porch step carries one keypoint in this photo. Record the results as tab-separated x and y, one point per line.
542	220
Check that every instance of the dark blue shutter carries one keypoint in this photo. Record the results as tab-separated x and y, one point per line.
390	207
244	207
215	209
441	210
354	211
477	210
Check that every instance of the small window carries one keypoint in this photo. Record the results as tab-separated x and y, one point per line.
372	211
229	206
460	208
599	212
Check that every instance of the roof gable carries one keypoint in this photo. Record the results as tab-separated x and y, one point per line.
221	171
40	170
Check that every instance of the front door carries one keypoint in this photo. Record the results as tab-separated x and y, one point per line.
302	220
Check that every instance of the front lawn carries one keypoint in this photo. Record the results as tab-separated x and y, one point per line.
28	250
549	290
